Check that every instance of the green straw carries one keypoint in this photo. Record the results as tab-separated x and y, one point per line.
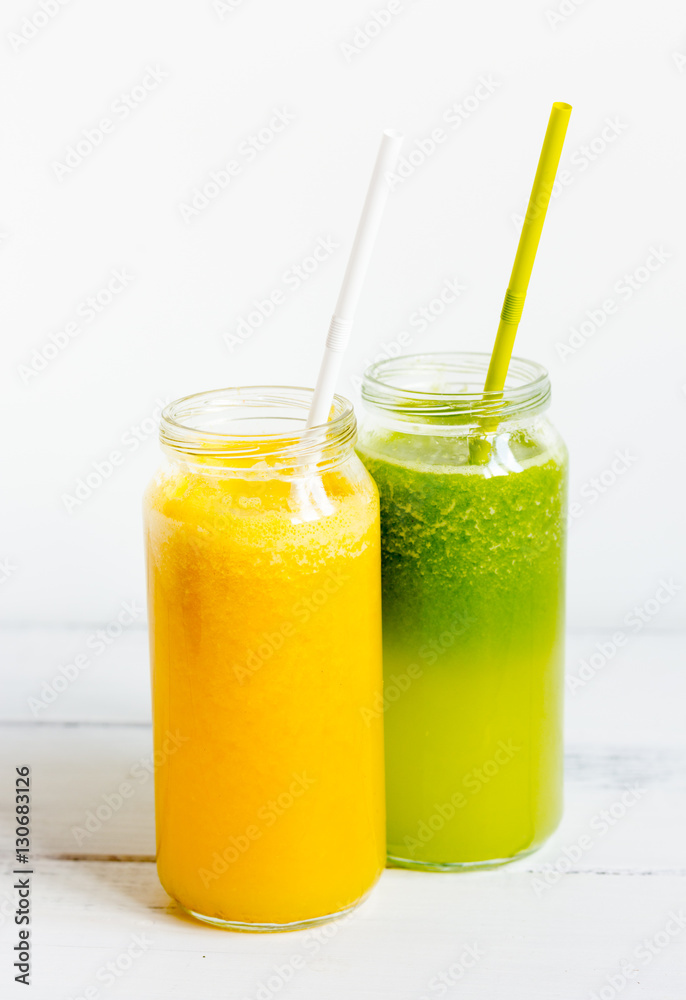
523	264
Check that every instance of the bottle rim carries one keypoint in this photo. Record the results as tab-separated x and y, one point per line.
253	423
447	387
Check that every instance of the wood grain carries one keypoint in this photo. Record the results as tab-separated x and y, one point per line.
551	927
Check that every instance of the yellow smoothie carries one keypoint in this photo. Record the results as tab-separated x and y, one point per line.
265	644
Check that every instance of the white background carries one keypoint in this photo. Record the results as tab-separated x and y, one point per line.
64	574
224	71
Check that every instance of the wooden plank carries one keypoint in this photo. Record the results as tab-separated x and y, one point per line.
558	946
45	683
635	696
638	690
552	926
77	770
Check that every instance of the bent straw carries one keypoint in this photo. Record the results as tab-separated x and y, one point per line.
526	254
344	313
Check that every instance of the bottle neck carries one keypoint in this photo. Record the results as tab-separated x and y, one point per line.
256	432
444	392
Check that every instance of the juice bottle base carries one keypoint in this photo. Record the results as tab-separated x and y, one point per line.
249	928
457	866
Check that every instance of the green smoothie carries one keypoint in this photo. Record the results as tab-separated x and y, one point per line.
473	620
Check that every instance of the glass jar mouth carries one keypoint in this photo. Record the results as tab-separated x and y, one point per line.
448	387
246	425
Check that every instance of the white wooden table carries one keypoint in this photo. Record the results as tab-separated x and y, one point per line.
604	919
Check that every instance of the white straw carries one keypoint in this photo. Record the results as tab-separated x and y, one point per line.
344	314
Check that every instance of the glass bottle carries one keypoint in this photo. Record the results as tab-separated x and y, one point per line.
473	518
265	634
